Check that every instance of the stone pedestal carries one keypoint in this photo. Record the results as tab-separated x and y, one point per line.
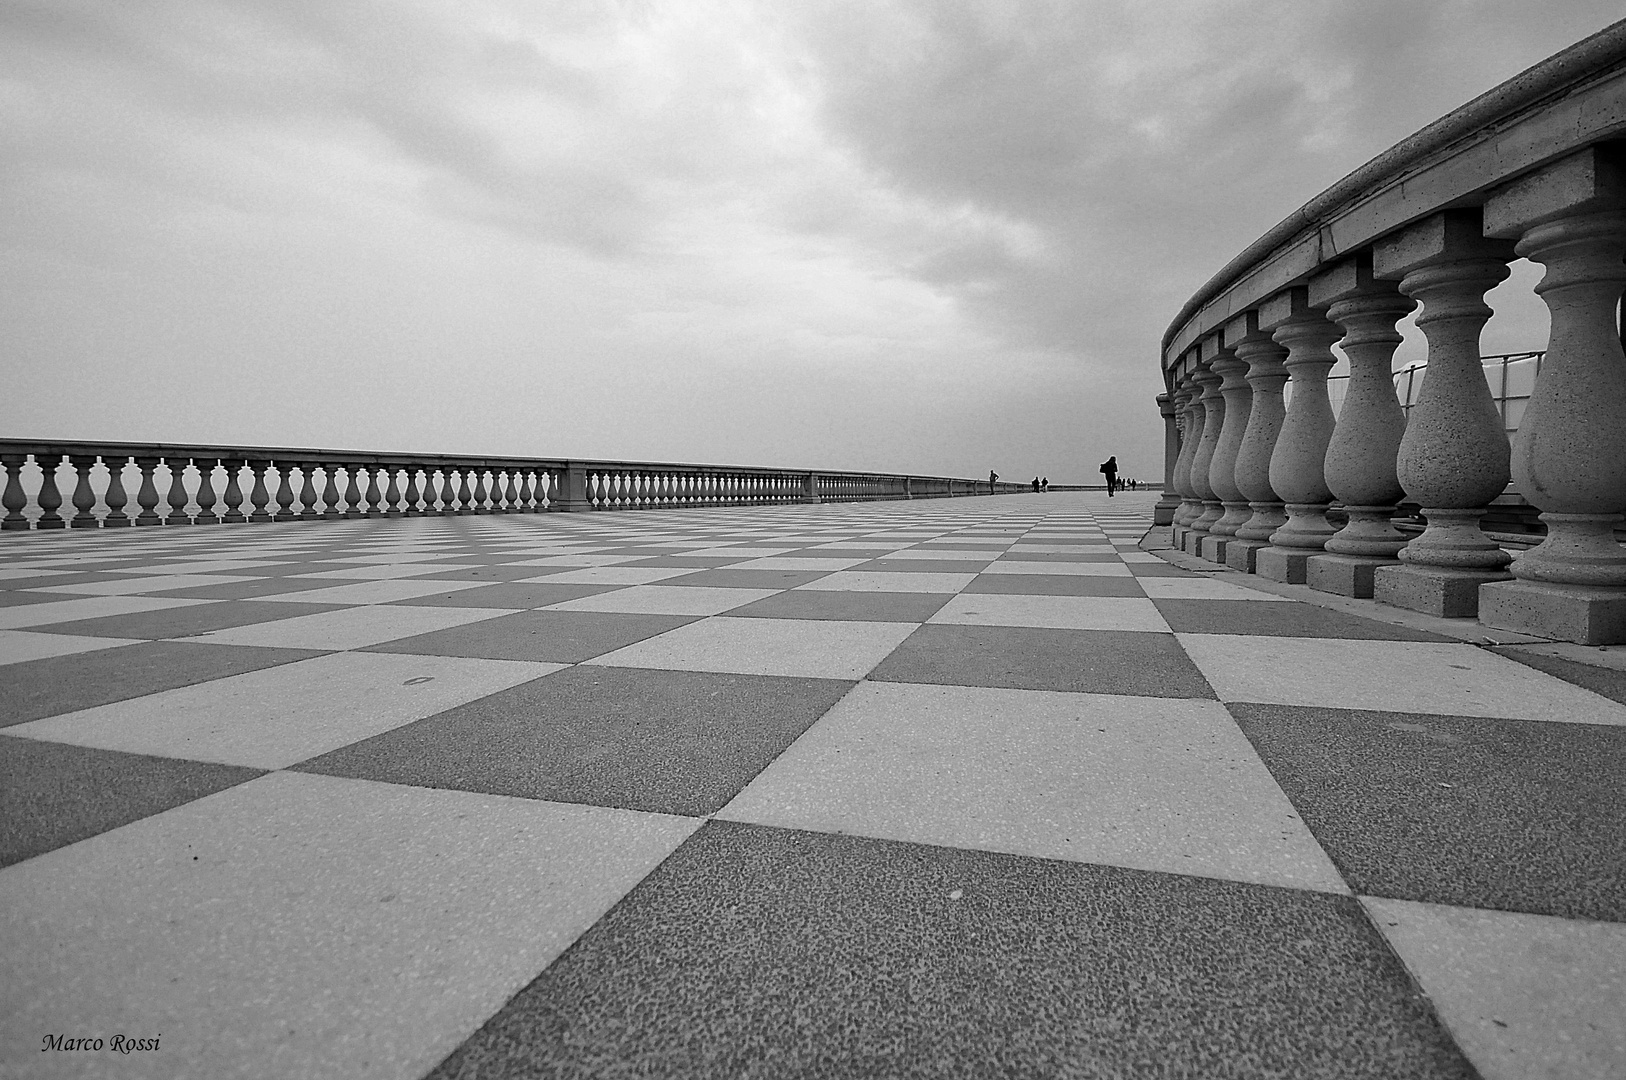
1433	590
1587	614
572	494
1242	554
1213	548
1344	575
1286	565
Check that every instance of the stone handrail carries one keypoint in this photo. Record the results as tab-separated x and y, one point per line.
283	484
1534	168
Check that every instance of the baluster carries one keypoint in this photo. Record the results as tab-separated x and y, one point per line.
1188	399
1568	456
1238	398
206	492
1163	512
84	496
50	499
463	494
147	494
258	496
374	496
1298	463
411	495
448	500
1361	457
526	505
307	491
1454	456
15	498
233	497
331	504
1213	422
352	493
177	497
1267	374
510	492
115	498
285	491
477	506
392	494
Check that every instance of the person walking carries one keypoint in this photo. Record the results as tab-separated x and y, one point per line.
1109	469
993	478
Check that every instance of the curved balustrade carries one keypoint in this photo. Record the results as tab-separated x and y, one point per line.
208	485
1534	168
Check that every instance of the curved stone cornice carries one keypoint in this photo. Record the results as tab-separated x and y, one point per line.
1574	99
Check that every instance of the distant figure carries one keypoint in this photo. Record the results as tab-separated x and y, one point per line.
993	478
1044	485
1036	485
1109	469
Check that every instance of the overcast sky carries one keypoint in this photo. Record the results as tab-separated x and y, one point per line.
932	236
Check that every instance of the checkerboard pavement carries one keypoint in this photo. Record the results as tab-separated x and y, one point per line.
965	787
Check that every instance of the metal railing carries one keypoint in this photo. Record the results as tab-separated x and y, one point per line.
1511	376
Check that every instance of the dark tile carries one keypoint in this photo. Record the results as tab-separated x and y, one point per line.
491	572
62	684
919	566
730	578
696	562
1055	585
1606	682
560	637
844	606
1026	658
248	590
1281	618
186	621
1517	815
1158	569
672	742
755	952
49	581
1105	555
510	594
52	794
22	599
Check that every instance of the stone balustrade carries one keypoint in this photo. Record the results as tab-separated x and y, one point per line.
1536	168
210	485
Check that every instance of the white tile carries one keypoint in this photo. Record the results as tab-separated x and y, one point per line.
1394	676
1150	783
1081	569
389	571
946	554
198	566
158	583
1057	612
1524	995
305	926
348	628
1201	588
373	592
813	648
890	581
581	559
89	607
786	562
280	716
17	646
1139	557
742	553
665	600
612	575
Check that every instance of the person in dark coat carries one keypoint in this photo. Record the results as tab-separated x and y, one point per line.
1109	469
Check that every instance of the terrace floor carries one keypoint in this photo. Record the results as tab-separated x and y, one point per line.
963	787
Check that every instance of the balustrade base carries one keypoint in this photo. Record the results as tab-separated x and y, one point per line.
1586	614
1191	542
1286	565
1243	554
1433	590
1344	575
1163	512
1213	548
